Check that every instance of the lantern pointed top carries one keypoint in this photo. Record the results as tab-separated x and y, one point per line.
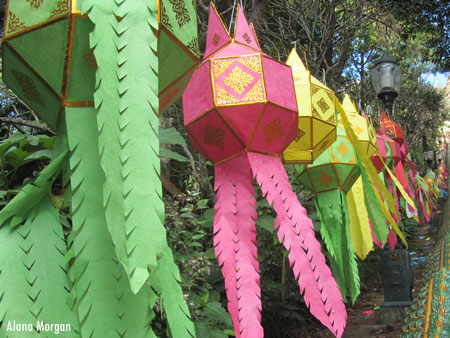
384	117
243	32
295	62
348	105
218	35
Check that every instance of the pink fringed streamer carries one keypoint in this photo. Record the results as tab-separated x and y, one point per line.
295	232
391	239
235	244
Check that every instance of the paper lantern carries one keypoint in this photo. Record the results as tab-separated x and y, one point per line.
361	126
240	112
48	61
316	115
331	176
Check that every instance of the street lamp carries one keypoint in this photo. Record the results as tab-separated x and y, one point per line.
386	80
397	282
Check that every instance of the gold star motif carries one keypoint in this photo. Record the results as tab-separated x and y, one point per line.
343	149
325	179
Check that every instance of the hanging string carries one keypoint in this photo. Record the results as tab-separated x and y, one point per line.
232	15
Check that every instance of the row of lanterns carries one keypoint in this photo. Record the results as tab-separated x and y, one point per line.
246	113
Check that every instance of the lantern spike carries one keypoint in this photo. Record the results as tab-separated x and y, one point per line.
349	105
295	62
218	35
243	33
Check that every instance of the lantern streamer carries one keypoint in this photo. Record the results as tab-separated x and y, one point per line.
359	220
335	230
373	175
235	243
296	232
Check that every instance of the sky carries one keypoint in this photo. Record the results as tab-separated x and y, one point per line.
436	79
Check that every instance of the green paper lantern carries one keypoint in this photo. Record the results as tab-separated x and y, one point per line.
335	169
331	176
46	56
49	64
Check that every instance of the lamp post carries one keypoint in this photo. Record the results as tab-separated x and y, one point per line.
386	80
397	282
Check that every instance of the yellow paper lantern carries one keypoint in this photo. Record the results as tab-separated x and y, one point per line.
316	115
362	127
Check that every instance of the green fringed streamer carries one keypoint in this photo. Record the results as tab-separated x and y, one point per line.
332	210
18	209
100	294
125	47
165	280
33	281
378	221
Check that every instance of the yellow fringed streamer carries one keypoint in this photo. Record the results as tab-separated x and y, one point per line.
372	172
398	185
359	220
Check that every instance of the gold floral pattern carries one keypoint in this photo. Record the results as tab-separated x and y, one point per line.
219	66
223	97
252	63
28	87
35	3
238	80
256	94
181	13
62	7
214	136
14	23
273	130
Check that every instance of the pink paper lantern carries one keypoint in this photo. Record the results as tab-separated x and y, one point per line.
240	112
233	102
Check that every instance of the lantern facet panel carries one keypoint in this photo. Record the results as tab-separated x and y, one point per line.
178	52
316	115
232	103
335	169
362	127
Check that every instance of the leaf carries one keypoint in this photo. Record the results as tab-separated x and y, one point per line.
165	280
33	280
216	312
171	136
164	152
266	222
